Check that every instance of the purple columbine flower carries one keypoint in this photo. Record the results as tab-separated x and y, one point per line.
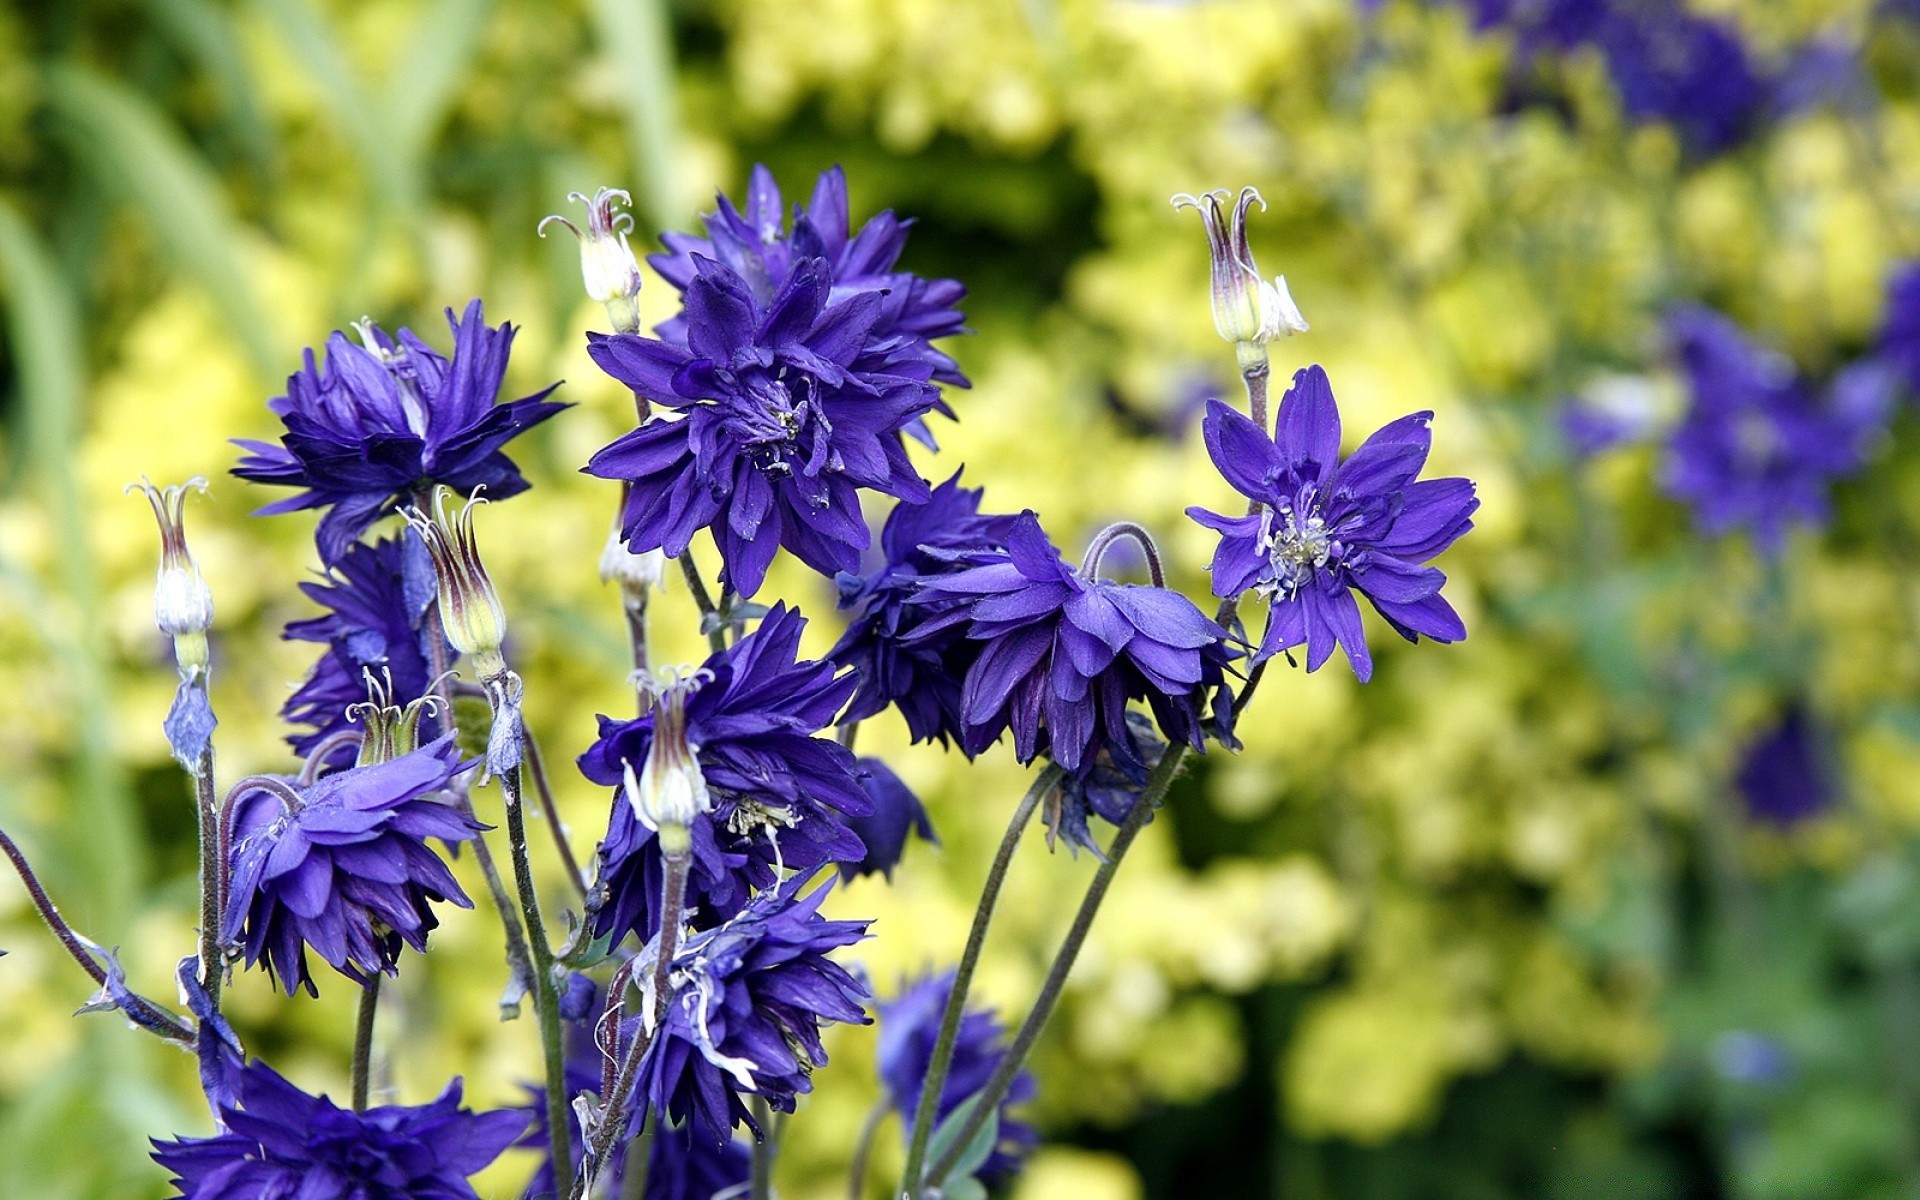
750	997
1062	654
756	246
919	676
897	812
342	865
282	1144
1327	528
377	597
1758	449
1690	71
777	796
783	416
1783	777
384	420
1107	788
909	1026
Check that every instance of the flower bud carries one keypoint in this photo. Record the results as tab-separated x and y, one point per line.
182	602
670	790
607	265
1247	310
633	572
388	730
470	608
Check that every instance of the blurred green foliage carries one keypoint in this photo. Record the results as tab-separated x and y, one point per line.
1491	926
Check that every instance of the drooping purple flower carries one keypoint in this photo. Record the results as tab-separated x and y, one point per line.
746	1016
342	865
377	597
282	1144
1783	776
1759	449
920	676
1063	654
783	416
1107	787
382	420
780	796
909	1027
1328	528
897	812
757	246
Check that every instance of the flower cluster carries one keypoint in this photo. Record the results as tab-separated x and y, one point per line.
277	1142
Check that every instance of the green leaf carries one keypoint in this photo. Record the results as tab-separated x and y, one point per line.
972	1157
207	35
639	37
125	141
442	48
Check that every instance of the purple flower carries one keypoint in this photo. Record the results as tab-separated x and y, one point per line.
1062	654
385	419
783	416
1108	787
1690	71
1758	449
780	797
1327	528
376	596
282	1144
914	311
342	865
1900	330
896	813
745	1018
921	676
909	1026
1783	777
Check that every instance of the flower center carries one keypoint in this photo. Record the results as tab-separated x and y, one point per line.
1295	547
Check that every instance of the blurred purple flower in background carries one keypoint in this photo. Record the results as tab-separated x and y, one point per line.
1783	777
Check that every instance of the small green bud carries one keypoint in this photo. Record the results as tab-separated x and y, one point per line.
470	608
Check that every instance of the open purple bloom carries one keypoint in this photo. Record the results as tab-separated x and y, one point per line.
342	865
383	420
783	417
920	676
1783	777
1692	72
1759	448
752	995
1062	654
1328	528
375	622
909	1027
780	796
897	812
756	246
282	1144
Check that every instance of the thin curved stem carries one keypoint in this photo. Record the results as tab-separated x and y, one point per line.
709	615
863	1148
537	767
1009	1066
213	876
1104	540
926	1109
764	1148
363	1040
317	757
546	996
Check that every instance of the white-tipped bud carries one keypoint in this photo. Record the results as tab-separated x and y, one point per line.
387	730
633	572
607	265
1247	310
670	790
470	608
182	602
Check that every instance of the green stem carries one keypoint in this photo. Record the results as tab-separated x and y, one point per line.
363	1040
863	1148
709	615
213	877
546	997
927	1109
764	1148
1043	1006
537	767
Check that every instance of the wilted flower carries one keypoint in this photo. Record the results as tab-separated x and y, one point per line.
633	572
896	813
1326	528
342	865
670	792
909	1027
377	596
1247	310
280	1143
470	608
749	997
780	796
1063	654
783	418
1783	777
757	246
1758	448
920	676
607	266
182	602
384	420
